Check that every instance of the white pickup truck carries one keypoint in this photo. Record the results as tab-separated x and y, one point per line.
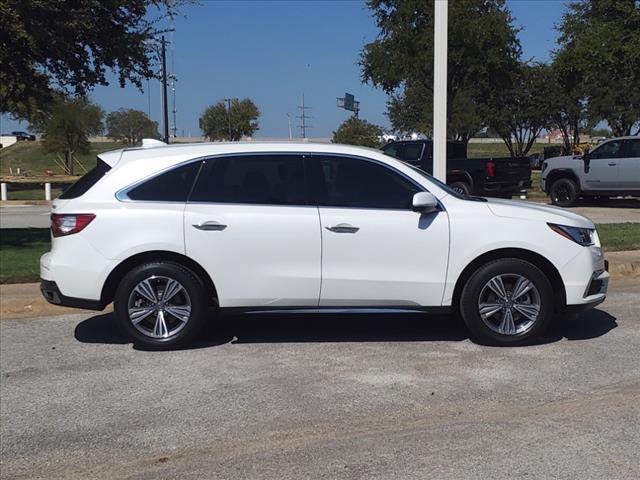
610	169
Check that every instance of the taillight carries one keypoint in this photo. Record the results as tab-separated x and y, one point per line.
490	168
69	223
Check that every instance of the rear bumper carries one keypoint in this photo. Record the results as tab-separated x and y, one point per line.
505	187
51	294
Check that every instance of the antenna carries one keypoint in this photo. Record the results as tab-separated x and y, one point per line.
303	118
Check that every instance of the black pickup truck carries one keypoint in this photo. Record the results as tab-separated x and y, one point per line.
491	177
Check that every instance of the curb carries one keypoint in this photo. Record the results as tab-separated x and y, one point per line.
19	203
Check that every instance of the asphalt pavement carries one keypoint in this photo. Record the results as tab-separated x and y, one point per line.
324	396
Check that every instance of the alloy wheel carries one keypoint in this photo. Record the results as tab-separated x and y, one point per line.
509	304
159	307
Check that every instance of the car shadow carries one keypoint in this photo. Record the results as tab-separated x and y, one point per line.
624	203
355	327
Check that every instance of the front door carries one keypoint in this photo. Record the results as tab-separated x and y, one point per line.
629	166
603	167
376	251
250	224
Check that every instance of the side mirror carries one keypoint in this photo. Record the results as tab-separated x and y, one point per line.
425	202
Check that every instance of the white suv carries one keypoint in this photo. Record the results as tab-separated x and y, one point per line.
170	233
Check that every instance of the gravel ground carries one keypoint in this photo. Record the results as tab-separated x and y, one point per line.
354	397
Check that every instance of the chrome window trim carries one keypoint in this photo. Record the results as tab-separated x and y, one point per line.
122	194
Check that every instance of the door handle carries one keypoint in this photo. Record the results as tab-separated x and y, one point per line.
612	164
210	226
343	228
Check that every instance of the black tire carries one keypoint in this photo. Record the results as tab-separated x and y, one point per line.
564	192
477	284
461	187
192	292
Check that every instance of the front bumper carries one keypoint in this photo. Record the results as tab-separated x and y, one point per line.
51	294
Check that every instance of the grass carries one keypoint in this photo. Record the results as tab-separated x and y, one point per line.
21	248
30	157
20	251
483	150
619	236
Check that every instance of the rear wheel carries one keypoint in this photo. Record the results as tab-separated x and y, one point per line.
462	188
160	305
507	302
564	192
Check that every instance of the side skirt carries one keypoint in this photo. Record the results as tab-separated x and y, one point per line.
334	310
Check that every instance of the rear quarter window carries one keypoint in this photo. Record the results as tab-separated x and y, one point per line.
171	186
87	181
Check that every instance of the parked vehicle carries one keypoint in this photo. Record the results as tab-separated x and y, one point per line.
168	233
495	177
24	136
611	169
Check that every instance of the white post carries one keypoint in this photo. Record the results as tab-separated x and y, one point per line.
440	90
47	191
3	192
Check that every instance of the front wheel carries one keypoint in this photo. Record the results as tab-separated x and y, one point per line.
160	305
507	302
563	192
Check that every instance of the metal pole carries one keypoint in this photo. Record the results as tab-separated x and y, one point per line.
47	191
440	90
290	133
165	110
3	192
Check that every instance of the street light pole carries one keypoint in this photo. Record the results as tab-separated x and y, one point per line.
440	90
165	109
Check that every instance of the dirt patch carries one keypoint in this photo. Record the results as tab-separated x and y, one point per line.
24	300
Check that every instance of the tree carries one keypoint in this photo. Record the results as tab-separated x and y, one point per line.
603	38
69	46
483	49
358	132
220	123
520	113
131	126
568	105
66	130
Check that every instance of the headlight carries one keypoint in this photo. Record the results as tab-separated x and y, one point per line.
582	236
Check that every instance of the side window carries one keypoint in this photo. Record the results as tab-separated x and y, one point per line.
252	179
393	150
171	186
349	182
611	149
412	152
633	149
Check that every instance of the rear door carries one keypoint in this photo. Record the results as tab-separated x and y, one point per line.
250	224
376	251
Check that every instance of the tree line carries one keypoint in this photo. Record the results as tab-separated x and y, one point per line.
593	76
54	53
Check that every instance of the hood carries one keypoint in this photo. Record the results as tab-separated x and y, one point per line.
537	211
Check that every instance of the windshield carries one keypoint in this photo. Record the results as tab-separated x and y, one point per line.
443	185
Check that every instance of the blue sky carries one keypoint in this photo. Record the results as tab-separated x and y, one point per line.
273	51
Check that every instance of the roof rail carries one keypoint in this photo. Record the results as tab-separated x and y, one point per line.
152	142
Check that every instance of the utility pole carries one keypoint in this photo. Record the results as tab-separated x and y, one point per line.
165	109
290	133
303	118
174	79
440	90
